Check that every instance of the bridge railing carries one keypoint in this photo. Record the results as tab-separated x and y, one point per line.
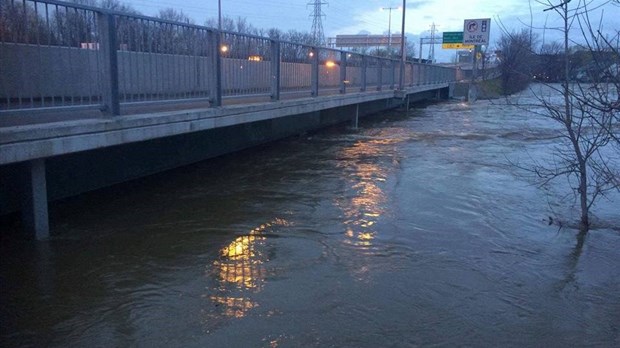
55	54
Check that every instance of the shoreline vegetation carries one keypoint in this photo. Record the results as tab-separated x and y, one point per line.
487	89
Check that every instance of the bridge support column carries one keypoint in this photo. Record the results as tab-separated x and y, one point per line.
34	204
357	115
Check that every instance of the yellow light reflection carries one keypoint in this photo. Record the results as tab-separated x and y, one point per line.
234	307
367	173
242	265
330	64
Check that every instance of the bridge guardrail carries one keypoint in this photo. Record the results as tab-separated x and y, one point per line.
56	54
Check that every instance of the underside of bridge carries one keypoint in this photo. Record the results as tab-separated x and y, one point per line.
79	157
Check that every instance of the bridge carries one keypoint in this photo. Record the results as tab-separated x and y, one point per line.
91	97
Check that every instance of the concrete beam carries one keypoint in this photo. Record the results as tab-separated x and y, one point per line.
34	195
25	143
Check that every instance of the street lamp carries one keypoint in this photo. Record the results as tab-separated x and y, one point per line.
389	27
401	77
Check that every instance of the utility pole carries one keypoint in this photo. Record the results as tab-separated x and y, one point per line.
317	24
429	41
389	28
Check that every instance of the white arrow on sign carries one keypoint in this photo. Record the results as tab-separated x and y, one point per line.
476	31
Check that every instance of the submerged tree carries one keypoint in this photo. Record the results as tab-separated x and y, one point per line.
588	154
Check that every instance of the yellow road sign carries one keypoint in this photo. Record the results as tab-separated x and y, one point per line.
456	46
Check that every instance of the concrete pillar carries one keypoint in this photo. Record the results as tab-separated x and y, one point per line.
357	115
34	209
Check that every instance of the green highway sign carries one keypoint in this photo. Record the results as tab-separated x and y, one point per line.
453	37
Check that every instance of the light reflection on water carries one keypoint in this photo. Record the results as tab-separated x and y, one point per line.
242	265
362	163
411	231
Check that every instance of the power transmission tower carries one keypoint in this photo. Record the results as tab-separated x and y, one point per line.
317	21
431	52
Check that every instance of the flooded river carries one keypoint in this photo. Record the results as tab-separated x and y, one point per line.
412	230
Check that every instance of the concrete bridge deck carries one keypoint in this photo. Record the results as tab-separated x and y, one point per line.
24	142
40	162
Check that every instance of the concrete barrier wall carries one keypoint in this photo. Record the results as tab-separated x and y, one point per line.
43	71
33	71
146	73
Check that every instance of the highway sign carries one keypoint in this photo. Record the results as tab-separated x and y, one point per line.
456	46
452	37
368	40
476	31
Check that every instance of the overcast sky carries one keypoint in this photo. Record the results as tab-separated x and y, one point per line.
355	16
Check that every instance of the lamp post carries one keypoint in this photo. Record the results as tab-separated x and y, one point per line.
389	27
219	15
401	77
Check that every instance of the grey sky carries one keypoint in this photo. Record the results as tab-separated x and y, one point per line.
354	16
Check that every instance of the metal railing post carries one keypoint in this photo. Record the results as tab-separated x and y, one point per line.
315	71
363	73
109	71
215	65
393	70
275	70
379	74
343	72
412	74
419	69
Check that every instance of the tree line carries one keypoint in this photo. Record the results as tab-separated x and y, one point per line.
521	62
25	22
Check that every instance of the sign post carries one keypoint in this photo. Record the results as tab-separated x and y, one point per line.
475	32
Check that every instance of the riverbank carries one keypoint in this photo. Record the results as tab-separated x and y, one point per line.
487	89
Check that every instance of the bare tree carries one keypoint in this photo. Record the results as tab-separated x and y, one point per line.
515	60
587	114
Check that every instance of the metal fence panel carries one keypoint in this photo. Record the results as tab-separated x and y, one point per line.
48	56
55	54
